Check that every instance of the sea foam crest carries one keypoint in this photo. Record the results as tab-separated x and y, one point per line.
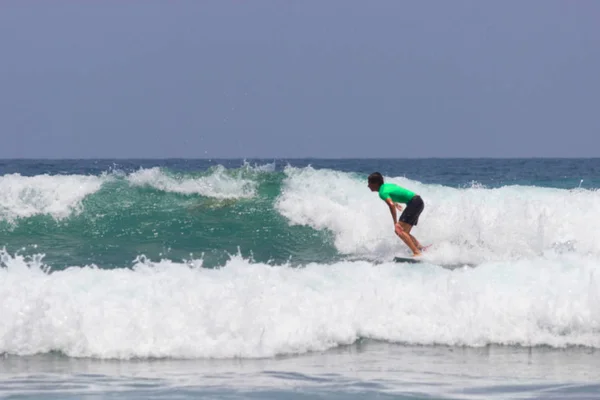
55	195
219	184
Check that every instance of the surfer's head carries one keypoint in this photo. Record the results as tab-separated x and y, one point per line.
375	181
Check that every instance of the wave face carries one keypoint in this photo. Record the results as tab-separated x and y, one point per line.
254	260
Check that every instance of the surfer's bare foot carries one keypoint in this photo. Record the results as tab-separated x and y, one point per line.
416	254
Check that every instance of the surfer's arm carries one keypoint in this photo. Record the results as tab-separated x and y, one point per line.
392	207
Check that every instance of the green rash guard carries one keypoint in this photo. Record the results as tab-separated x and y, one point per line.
396	193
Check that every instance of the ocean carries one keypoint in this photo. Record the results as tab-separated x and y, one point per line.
234	279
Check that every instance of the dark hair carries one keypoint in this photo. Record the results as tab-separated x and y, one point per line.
376	178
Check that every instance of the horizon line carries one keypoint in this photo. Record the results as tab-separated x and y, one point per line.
299	158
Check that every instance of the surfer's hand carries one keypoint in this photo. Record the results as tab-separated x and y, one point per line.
398	206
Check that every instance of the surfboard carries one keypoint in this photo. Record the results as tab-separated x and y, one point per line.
410	260
417	260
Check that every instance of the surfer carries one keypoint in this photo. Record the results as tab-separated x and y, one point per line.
395	195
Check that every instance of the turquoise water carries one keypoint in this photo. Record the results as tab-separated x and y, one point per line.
273	278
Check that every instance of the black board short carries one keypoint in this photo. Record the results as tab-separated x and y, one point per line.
413	209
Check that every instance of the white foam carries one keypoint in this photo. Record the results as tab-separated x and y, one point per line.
326	199
55	195
268	167
216	185
166	309
472	224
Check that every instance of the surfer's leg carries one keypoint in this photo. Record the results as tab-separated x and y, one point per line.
403	232
407	228
416	242
410	218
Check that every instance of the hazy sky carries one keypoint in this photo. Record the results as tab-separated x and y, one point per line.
208	79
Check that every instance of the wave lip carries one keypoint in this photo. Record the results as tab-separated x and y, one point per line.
57	195
218	184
